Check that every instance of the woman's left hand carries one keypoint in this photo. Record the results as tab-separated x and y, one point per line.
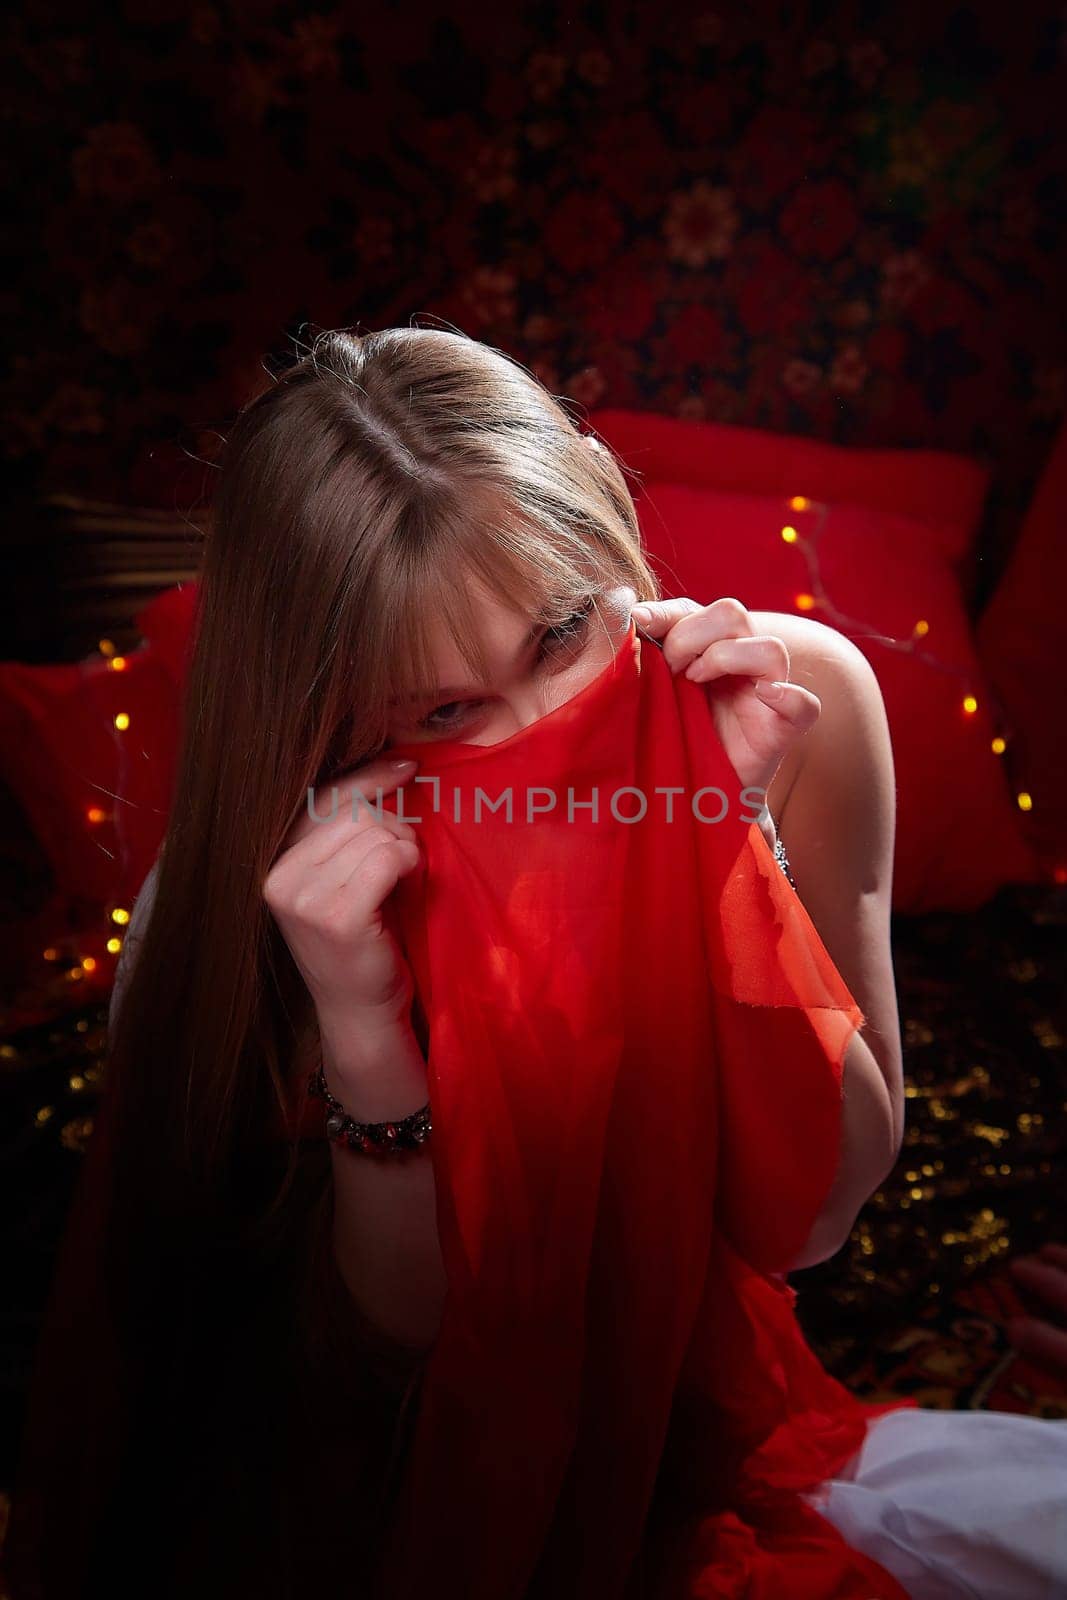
718	645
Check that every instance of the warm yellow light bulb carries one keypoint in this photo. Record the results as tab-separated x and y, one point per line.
114	946
921	629
89	963
998	746
122	721
95	814
1024	801
117	663
970	704
120	916
799	502
51	954
790	535
106	647
804	602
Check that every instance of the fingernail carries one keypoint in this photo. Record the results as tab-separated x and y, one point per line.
641	614
771	691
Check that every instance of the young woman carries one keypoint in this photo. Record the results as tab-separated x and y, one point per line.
534	1338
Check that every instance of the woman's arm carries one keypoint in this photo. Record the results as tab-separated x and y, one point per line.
834	801
384	1229
385	1209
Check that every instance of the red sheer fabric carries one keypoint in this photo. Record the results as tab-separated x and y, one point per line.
636	1039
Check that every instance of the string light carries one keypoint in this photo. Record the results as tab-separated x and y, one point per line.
95	815
805	600
816	598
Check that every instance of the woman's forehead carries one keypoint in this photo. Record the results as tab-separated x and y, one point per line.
504	597
505	629
506	625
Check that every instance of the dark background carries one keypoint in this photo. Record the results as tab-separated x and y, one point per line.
842	219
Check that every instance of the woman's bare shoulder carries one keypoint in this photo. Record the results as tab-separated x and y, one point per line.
816	650
828	663
840	820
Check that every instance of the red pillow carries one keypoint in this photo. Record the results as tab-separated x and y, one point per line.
942	490
97	795
1020	639
958	836
168	624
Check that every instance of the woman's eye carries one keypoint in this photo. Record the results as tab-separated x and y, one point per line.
563	632
454	713
445	716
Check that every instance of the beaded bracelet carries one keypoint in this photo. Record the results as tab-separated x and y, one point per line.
371	1138
782	860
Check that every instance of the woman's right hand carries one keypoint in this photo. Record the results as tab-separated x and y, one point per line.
326	891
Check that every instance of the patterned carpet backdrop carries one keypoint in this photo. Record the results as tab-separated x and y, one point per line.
839	219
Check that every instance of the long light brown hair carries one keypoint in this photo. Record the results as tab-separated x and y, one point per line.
356	497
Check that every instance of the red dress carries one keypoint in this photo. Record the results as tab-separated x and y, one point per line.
636	1039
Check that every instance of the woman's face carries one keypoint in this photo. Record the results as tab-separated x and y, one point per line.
532	671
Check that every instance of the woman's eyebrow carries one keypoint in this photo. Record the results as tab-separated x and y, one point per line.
453	691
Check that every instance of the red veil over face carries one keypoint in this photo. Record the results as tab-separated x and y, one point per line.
635	1047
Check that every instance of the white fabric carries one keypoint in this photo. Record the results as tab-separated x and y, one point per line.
958	1505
